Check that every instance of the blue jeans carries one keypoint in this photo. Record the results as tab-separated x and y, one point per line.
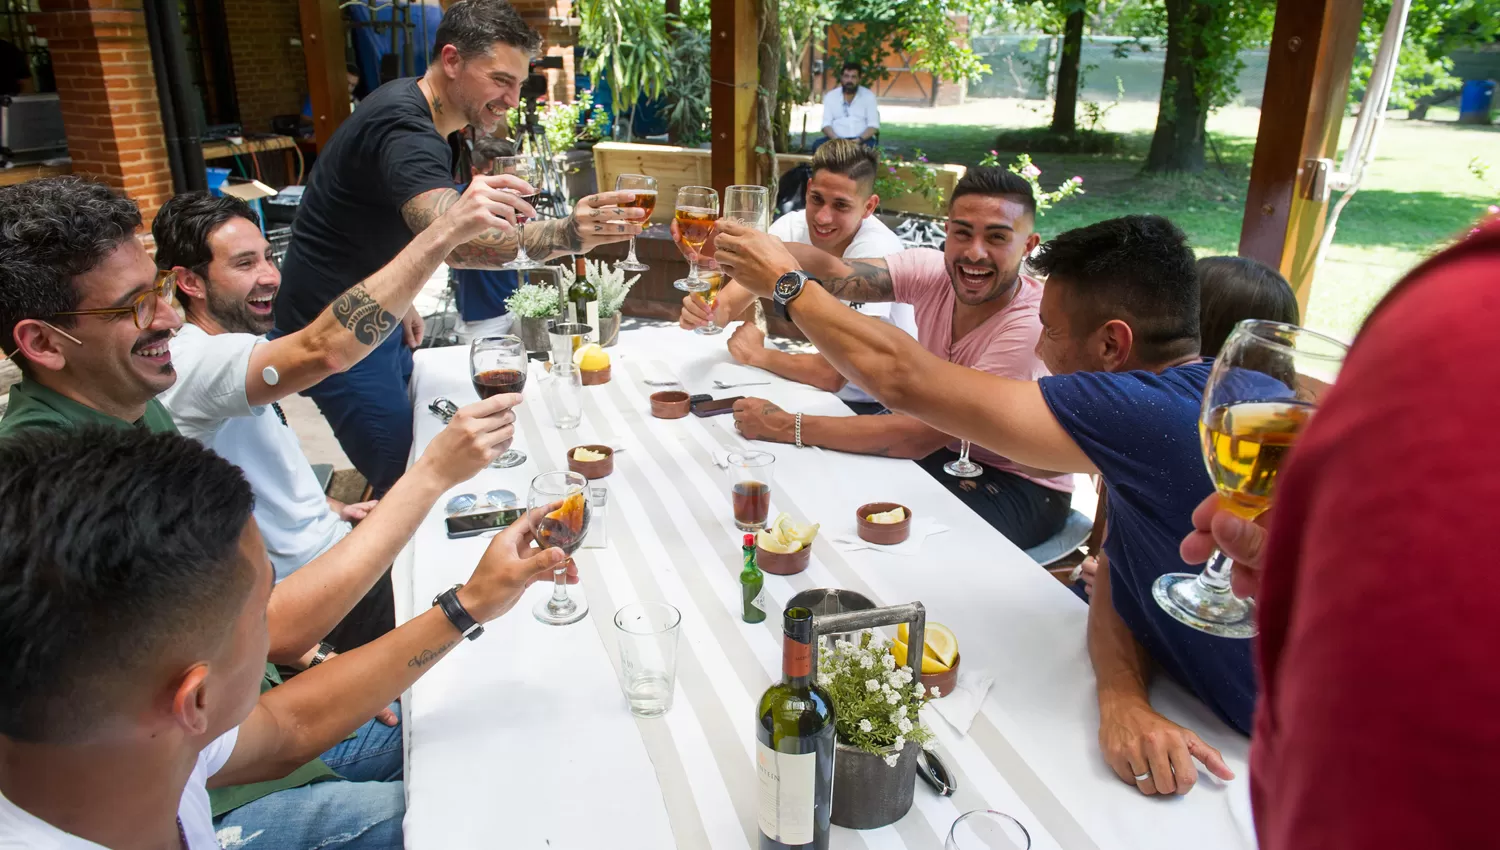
363	813
369	411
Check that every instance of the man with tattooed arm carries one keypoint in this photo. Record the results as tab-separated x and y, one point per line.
385	176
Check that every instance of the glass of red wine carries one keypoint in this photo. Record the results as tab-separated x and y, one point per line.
528	168
498	365
559	501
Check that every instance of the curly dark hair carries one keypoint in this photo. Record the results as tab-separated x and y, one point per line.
183	225
118	548
51	231
994	180
474	26
1137	268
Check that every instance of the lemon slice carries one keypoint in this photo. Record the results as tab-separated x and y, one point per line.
583	455
803	534
771	543
781	527
584	352
939	642
890	517
929	664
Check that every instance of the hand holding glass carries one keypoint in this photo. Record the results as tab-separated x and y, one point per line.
527	168
697	210
645	199
497	364
559	504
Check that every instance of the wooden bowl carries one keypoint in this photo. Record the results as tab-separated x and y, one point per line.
592	469
782	564
595	377
945	682
669	404
882	535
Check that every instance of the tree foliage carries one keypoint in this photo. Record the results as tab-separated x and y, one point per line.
630	47
1434	29
923	29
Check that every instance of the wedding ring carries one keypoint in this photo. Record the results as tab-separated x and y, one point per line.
1143	777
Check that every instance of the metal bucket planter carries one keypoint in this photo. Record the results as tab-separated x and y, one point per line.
533	332
867	792
609	330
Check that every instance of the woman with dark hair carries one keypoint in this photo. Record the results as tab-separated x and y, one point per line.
1237	288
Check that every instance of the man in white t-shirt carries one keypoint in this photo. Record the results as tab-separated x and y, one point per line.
849	111
839	220
132	646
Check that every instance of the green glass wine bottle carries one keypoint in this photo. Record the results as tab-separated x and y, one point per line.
794	747
752	585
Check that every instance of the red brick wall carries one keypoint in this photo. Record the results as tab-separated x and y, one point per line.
270	77
549	17
102	60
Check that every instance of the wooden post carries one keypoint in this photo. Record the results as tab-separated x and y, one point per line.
736	79
323	51
1307	83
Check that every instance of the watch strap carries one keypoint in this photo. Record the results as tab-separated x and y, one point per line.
457	614
325	649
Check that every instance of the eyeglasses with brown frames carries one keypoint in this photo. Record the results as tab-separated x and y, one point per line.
142	308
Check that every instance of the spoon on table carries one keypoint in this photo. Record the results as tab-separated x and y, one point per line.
721	385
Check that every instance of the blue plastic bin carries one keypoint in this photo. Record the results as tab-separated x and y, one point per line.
1475	101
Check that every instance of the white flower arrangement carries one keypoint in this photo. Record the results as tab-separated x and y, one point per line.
533	301
875	704
609	282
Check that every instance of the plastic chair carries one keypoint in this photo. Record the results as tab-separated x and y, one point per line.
1074	532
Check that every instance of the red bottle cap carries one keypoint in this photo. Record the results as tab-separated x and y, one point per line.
749	541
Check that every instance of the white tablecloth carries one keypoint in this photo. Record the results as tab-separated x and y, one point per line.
522	739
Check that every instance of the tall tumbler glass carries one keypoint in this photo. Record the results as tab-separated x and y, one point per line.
750	488
646	633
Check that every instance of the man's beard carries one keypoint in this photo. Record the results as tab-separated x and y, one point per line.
851	88
235	316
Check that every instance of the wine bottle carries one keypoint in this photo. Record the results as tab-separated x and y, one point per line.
752	585
794	747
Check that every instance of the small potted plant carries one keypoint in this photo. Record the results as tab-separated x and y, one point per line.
608	287
533	305
875	708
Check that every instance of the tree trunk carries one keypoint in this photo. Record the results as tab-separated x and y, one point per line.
767	102
1182	114
1064	112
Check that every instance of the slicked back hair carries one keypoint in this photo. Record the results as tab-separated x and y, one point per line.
992	180
475	26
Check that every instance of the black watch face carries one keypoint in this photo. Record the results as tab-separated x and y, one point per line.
788	285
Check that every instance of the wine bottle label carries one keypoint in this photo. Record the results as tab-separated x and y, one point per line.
788	786
761	602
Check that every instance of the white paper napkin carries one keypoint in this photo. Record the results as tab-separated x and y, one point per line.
962	706
849	540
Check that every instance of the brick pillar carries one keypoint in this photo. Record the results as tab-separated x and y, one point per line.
549	18
102	59
270	77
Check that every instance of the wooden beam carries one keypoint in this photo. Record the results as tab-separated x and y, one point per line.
323	52
736	79
1307	84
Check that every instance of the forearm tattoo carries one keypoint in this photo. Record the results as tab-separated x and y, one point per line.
427	656
869	281
363	316
547	239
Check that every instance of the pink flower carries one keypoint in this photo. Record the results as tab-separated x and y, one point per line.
994	153
893	169
1494	210
1078	180
1031	171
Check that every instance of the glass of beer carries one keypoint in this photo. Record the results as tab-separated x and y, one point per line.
710	296
750	488
645	198
748	205
1261	394
697	210
528	168
497	365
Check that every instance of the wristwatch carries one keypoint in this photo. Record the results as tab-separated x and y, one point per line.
454	611
788	287
325	649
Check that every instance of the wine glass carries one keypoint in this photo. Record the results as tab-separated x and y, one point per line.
645	198
715	280
497	365
528	167
963	467
559	502
697	210
985	829
748	205
1262	392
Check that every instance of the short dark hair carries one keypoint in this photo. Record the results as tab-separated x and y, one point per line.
116	547
473	27
184	223
51	231
850	158
1232	289
994	180
852	65
1137	268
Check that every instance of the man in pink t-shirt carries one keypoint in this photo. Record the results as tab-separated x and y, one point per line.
973	308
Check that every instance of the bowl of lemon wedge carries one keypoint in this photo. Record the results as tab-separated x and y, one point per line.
593	362
883	523
939	657
592	461
784	547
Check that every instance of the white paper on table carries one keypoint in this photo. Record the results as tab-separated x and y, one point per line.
921	527
961	706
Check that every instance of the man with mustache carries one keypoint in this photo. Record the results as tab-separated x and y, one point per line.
973	308
383	178
850	111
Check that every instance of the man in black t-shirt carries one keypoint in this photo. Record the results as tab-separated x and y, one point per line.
388	173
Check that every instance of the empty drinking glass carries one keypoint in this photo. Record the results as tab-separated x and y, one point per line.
647	636
963	467
562	390
749	205
984	829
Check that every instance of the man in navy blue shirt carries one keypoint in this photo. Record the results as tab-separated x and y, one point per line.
1120	334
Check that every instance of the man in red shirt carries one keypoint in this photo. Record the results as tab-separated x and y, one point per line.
1377	585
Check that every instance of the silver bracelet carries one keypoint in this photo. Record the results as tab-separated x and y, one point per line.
799	430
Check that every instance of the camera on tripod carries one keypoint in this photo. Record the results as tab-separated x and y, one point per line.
536	82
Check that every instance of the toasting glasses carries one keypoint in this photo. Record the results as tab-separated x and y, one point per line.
645	198
697	210
497	364
528	168
559	501
1261	394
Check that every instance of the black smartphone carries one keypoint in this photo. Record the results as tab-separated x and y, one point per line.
474	523
715	407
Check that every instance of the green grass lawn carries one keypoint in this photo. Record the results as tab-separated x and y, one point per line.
1417	195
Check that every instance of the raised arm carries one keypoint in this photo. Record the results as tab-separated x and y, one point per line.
858	281
596	220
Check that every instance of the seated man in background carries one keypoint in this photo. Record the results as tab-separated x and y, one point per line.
89	319
850	111
974	308
1119	319
839	220
132	647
